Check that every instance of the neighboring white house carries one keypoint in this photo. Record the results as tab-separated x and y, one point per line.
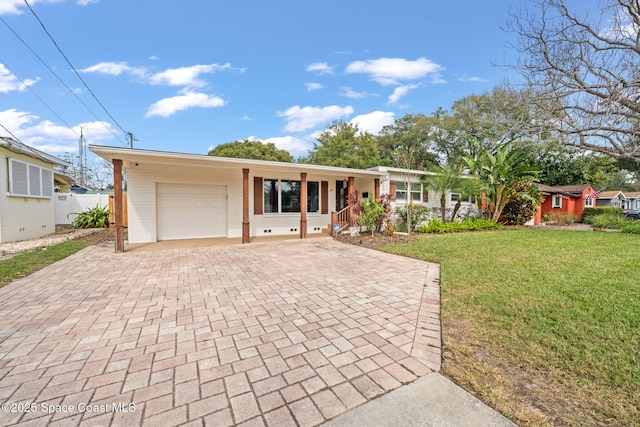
27	207
612	199
632	200
409	185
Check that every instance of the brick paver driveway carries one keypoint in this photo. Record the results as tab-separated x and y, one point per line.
283	333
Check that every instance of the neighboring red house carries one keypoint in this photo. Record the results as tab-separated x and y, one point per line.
571	199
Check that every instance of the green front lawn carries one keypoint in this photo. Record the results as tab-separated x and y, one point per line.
543	324
26	263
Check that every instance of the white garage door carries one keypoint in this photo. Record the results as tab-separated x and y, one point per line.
191	211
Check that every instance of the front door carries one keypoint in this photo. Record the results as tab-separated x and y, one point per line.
342	195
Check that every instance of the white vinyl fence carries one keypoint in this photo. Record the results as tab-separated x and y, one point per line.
68	205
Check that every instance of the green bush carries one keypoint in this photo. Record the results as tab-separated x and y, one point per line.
524	201
633	228
589	212
437	226
608	220
419	215
92	218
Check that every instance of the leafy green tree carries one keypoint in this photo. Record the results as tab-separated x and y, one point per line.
251	150
343	144
411	134
498	170
562	165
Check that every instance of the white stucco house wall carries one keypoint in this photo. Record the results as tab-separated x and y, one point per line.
27	207
189	196
406	185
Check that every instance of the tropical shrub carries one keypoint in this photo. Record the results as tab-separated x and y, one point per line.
524	201
631	228
419	215
589	212
609	220
372	213
92	218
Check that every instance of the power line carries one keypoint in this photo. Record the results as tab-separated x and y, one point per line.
60	80
39	98
73	68
9	132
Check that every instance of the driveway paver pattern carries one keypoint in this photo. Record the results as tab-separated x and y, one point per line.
283	333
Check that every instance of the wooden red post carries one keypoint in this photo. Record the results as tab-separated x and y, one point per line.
303	205
376	188
246	230
117	205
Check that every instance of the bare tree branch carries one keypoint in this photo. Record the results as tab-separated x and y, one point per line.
585	72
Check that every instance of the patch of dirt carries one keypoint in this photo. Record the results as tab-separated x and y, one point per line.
62	234
376	240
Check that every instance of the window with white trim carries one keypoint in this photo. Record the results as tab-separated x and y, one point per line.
29	180
415	191
557	202
588	203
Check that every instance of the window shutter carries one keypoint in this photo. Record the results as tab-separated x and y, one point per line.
19	178
392	190
34	181
47	183
425	194
257	195
324	189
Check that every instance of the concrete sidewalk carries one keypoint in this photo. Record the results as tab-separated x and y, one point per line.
432	400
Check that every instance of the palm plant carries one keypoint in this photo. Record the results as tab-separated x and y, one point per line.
498	170
449	178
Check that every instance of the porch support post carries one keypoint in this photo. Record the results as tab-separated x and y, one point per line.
376	188
246	230
350	190
303	205
117	205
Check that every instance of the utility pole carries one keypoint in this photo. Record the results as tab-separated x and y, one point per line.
131	138
81	157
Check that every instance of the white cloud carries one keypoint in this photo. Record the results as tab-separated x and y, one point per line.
295	146
186	76
303	118
320	68
391	71
169	106
114	69
246	118
373	122
50	137
401	91
313	86
15	7
9	82
347	92
475	79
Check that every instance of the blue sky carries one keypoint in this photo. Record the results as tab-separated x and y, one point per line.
186	76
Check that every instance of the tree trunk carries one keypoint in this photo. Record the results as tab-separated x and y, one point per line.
443	206
456	208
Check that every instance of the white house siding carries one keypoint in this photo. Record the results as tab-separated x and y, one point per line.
433	196
23	217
